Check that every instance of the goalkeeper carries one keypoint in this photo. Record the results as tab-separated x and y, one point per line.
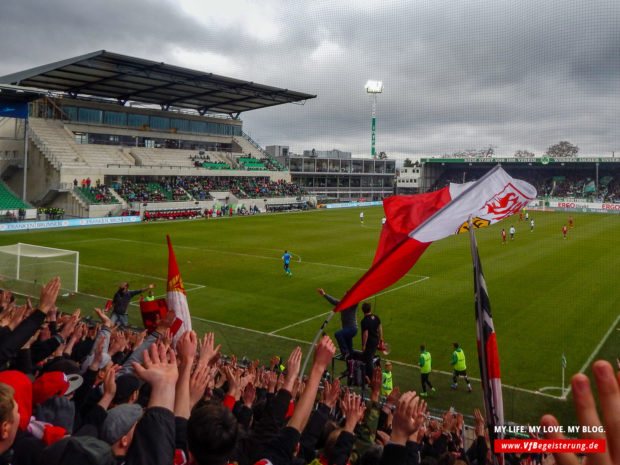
120	302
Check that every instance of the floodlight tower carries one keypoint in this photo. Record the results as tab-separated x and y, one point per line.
374	88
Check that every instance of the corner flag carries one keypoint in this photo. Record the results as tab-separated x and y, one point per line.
415	221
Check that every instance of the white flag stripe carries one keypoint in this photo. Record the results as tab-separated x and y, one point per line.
177	301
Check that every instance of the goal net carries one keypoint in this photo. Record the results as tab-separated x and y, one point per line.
26	267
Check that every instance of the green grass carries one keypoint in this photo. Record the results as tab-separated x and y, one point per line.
548	295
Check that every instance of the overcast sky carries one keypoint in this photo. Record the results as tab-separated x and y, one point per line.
457	74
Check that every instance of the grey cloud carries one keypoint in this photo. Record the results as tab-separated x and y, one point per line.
518	75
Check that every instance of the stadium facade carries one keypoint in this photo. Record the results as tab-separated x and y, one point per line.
156	136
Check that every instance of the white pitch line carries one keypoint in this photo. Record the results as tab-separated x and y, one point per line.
424	278
196	286
245	254
514	388
585	366
250	330
299	323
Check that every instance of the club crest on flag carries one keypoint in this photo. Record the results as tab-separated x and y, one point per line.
508	202
175	284
476	222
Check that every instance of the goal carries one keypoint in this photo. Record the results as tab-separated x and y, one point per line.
26	267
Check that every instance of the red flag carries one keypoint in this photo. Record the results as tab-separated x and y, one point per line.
175	296
415	221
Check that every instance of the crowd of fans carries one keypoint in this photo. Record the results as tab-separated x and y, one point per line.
77	392
164	191
254	188
200	188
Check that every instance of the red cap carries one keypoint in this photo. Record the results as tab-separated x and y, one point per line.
54	383
23	394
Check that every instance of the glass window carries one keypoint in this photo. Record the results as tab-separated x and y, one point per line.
343	181
309	164
88	115
115	118
137	121
345	166
71	112
358	166
334	166
355	182
179	124
159	122
369	166
332	181
198	126
366	181
295	164
321	165
390	166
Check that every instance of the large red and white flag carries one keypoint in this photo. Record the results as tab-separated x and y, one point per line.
175	295
415	221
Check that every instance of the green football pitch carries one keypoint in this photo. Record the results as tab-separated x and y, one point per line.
549	296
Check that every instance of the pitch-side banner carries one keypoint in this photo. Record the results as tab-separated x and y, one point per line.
13	109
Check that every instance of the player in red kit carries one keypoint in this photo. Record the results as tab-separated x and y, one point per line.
503	236
570	222
564	231
520	216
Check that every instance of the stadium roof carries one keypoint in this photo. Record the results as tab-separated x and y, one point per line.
123	78
18	94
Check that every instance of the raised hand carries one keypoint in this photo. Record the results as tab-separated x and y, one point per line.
160	370
198	384
249	394
331	393
49	294
293	365
404	423
323	353
186	347
608	387
353	409
69	327
207	351
105	319
375	384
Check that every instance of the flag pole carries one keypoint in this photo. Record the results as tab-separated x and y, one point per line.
498	459
316	339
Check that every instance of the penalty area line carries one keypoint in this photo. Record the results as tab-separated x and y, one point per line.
596	350
422	278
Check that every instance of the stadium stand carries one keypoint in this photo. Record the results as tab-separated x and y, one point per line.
9	201
96	195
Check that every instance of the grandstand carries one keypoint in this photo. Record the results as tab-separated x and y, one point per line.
590	179
140	125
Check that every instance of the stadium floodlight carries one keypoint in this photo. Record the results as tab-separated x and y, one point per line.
374	88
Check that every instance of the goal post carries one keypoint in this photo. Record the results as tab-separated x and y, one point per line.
26	267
